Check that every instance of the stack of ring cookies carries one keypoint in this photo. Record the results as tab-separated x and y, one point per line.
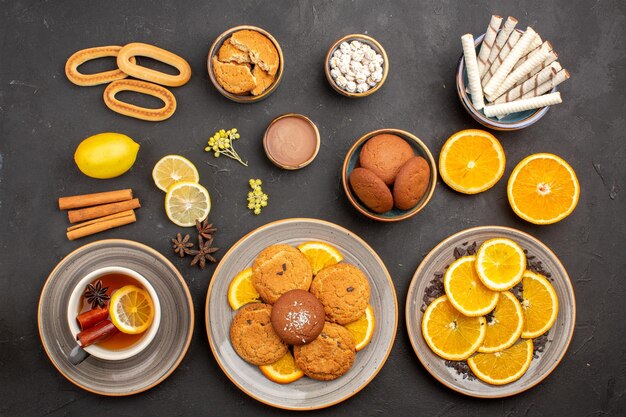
300	312
148	81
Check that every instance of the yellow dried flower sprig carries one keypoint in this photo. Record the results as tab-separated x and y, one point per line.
257	199
221	143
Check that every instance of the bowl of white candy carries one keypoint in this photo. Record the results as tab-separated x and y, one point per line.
356	65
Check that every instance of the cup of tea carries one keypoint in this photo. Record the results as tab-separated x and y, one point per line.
117	345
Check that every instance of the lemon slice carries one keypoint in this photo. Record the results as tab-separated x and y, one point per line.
131	309
186	202
540	304
450	334
172	169
363	328
500	264
466	291
503	367
320	255
283	371
241	291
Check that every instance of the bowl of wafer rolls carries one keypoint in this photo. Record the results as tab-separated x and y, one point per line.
245	64
506	78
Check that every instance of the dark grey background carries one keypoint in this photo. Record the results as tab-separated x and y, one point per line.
43	117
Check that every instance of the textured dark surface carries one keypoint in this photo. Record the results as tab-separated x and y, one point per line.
43	117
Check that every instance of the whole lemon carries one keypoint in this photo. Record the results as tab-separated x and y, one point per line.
106	155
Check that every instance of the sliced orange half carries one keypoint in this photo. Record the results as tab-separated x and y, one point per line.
505	366
500	263
504	324
450	334
539	303
466	291
471	161
363	328
320	255
283	371
543	189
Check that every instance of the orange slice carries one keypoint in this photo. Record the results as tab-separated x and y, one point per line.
503	367
450	334
539	303
363	328
466	291
320	255
241	291
283	371
471	161
500	263
543	189
131	309
505	325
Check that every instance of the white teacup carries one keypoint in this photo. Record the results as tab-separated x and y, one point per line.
76	300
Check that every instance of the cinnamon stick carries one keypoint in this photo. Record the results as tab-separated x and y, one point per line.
101	226
95	199
100	219
95	212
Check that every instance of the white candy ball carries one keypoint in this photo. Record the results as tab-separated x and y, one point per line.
355	66
344	68
377	76
370	54
362	87
350	76
337	54
360	77
341	81
355	45
351	86
357	56
335	73
334	62
371	82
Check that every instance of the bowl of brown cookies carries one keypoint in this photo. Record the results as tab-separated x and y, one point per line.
389	175
245	64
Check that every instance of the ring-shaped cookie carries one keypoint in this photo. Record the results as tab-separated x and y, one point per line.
126	54
84	55
137	112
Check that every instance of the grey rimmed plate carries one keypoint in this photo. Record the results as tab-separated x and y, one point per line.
306	393
157	361
558	337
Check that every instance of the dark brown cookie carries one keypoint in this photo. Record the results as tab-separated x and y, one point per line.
371	190
278	269
329	356
343	290
411	183
298	317
384	155
253	336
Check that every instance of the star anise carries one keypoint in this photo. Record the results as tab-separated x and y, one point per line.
205	229
204	252
181	245
96	294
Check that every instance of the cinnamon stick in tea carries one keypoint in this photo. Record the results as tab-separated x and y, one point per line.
101	226
95	212
95	199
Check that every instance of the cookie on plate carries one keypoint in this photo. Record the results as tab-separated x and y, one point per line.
261	50
371	190
329	356
411	183
278	269
234	78
263	80
253	336
384	154
298	317
344	291
228	53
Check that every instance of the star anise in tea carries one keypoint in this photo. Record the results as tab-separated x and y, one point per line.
181	245
96	295
205	229
204	252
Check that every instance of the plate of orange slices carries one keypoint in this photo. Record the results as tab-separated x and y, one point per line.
281	384
490	312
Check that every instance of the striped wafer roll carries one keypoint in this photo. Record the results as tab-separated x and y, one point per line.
522	71
488	42
508	46
522	105
531	84
560	76
520	47
534	47
503	35
471	66
552	57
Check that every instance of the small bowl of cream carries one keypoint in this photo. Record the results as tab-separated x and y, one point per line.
291	141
